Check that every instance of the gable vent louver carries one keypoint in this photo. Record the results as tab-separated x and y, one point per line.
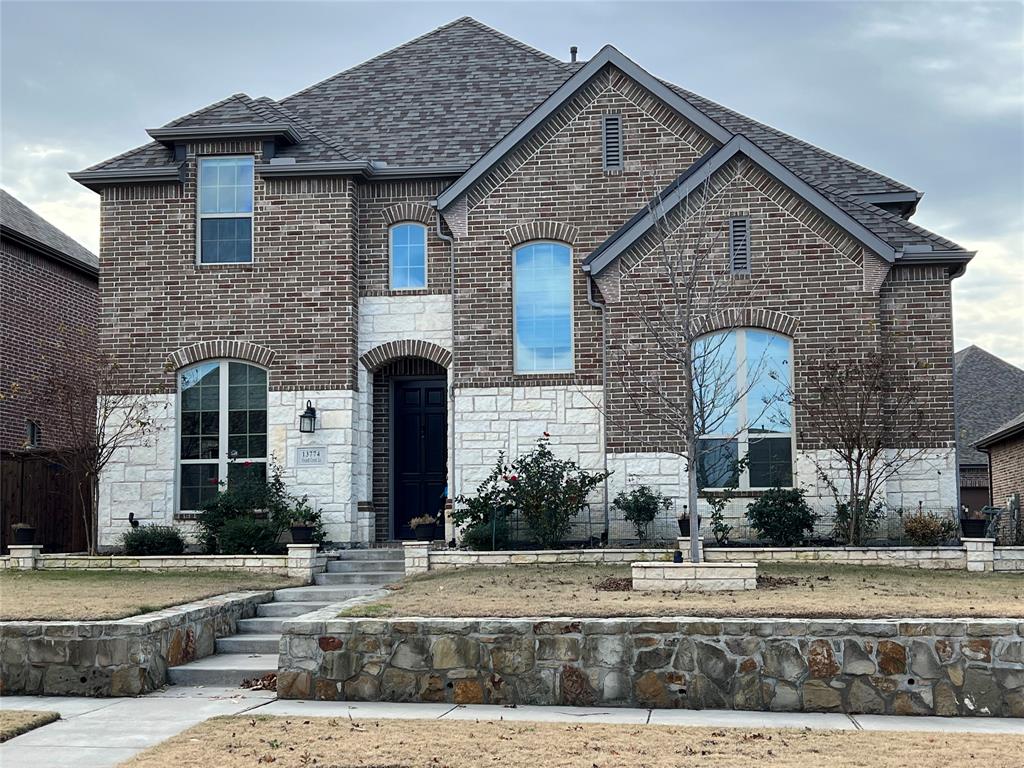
739	246
612	136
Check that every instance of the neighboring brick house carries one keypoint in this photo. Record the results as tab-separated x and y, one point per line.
1005	449
49	305
988	393
421	248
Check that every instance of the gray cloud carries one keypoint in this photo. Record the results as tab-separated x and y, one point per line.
930	94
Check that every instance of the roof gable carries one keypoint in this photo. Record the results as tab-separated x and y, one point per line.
987	393
669	198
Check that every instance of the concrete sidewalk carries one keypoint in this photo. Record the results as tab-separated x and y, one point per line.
100	733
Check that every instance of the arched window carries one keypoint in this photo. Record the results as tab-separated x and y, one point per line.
408	249
222	427
742	408
542	308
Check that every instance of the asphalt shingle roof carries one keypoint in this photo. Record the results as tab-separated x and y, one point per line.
1003	431
17	216
989	393
446	97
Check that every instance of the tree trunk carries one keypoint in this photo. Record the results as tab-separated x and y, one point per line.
692	494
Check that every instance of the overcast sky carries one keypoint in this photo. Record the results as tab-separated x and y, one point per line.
929	94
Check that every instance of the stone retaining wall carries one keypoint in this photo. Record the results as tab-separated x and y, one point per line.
1009	559
935	558
694	577
926	667
125	657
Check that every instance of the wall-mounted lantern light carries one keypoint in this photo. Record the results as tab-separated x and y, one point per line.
307	421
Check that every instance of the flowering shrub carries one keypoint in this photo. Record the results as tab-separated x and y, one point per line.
641	506
546	491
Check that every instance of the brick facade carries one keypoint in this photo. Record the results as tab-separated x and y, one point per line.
48	310
1007	462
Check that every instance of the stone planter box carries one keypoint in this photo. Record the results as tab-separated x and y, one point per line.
946	667
694	577
123	657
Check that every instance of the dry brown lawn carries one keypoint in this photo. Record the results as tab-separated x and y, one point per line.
96	594
285	742
795	590
14	722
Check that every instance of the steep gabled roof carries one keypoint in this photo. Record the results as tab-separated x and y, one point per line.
21	223
988	393
448	96
1012	428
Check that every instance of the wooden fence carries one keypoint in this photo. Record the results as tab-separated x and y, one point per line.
37	491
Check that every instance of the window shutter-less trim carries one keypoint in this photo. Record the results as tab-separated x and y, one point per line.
739	246
612	135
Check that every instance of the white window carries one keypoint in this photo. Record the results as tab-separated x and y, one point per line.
742	408
222	428
408	249
225	210
542	308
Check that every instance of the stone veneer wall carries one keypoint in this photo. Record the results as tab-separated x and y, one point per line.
911	667
1009	559
116	658
934	558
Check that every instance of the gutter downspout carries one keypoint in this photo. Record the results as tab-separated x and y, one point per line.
603	309
451	389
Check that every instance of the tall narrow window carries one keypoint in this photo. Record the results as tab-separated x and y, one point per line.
222	428
739	246
33	433
542	308
225	210
408	246
741	406
612	125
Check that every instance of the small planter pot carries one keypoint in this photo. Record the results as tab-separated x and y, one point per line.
24	535
425	532
302	534
684	525
973	529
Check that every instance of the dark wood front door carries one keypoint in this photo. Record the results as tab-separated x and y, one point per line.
418	453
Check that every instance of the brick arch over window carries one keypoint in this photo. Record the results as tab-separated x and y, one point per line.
541	230
779	322
393	350
408	212
220	348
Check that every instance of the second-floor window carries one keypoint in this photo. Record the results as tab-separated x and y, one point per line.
225	210
408	248
542	308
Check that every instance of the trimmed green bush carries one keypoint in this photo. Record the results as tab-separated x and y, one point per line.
149	540
248	536
927	530
479	537
641	506
782	517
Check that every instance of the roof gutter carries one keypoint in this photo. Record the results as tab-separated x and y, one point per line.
49	252
364	168
957	259
169	136
97	180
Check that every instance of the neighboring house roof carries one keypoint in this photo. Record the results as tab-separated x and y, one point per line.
450	98
988	393
1013	428
23	225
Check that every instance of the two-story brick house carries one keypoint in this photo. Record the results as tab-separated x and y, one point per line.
440	251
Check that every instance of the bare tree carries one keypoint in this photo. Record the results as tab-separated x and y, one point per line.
99	422
690	388
868	415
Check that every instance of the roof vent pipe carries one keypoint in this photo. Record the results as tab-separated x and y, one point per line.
572	54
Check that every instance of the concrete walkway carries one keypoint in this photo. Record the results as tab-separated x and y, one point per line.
100	733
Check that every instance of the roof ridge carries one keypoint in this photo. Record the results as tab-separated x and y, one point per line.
60	240
461	20
688	95
244	98
975	349
307	126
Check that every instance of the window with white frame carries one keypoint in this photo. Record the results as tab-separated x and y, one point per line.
408	249
742	408
225	210
222	427
542	308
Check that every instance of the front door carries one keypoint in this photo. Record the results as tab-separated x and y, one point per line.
418	452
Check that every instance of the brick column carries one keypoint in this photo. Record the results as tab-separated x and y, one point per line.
24	556
683	545
302	562
981	554
417	557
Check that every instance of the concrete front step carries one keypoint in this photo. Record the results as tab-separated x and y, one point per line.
368	577
249	644
223	669
327	594
291	608
262	625
365	566
371	554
